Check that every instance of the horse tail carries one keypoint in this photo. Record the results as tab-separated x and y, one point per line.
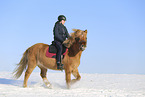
21	66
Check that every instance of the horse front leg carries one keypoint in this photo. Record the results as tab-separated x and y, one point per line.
77	76
68	77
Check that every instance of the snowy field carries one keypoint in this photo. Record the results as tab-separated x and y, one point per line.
91	85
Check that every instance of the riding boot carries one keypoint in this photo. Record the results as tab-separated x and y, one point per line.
60	66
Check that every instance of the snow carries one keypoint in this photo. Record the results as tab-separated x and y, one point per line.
91	85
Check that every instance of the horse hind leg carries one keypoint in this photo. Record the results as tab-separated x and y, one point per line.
43	75
31	67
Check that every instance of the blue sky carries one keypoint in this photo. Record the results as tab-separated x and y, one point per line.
116	31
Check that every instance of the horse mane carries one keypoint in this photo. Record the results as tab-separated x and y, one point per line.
71	39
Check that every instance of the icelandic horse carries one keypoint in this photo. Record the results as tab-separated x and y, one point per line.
36	56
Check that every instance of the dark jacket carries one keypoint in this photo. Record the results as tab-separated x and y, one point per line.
60	32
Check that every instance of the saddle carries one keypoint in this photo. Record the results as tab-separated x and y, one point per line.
52	50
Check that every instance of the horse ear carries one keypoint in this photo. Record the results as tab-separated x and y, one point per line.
74	30
86	31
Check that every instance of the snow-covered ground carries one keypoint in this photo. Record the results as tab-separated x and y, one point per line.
91	85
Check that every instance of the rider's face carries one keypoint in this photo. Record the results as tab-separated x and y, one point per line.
63	21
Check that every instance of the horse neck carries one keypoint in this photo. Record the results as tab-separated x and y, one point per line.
74	50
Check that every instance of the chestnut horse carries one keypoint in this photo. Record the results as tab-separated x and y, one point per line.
36	56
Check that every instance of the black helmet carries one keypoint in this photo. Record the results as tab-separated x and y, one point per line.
61	17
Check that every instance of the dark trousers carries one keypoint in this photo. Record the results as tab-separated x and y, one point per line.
59	50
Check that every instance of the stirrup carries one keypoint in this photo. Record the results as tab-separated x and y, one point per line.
60	66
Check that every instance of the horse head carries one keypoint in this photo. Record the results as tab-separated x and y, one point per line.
79	37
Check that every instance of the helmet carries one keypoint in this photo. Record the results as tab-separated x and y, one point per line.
61	17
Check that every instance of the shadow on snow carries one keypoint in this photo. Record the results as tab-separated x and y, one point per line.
12	82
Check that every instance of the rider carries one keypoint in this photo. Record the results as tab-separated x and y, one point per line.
60	34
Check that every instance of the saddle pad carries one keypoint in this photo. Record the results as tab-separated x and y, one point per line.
53	55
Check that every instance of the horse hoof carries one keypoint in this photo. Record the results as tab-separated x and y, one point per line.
49	86
68	86
24	86
47	83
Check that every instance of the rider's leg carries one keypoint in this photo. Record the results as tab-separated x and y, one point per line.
58	54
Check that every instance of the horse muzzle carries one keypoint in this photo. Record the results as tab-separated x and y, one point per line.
82	47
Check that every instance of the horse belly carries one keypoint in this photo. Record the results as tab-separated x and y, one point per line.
49	65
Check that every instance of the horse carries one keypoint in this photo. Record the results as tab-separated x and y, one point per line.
36	56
